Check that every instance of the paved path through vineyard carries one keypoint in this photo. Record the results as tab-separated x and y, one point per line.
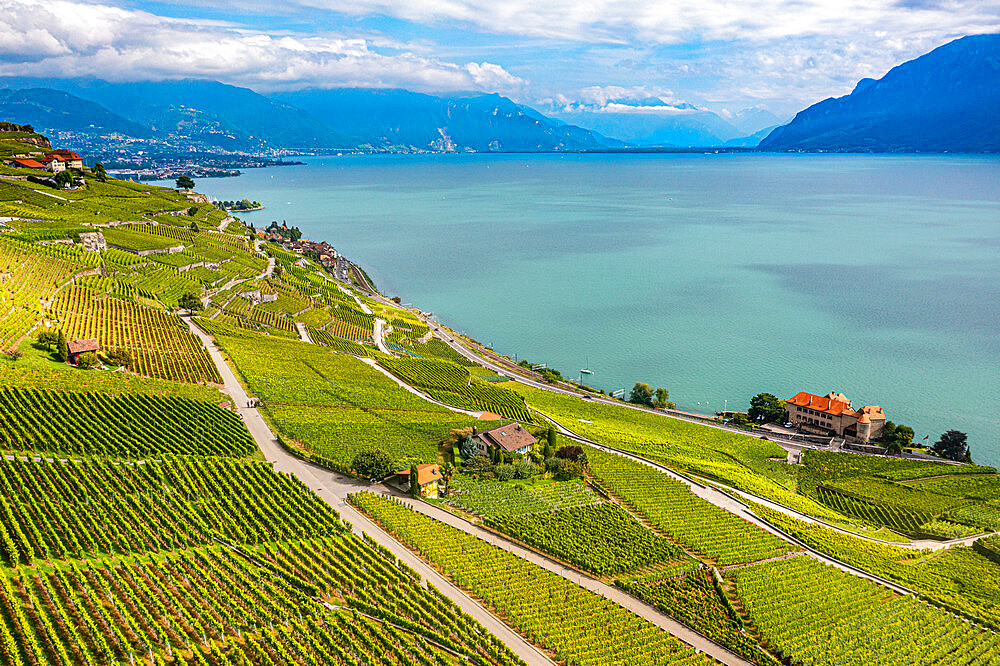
333	489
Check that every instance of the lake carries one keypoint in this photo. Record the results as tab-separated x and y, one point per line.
715	276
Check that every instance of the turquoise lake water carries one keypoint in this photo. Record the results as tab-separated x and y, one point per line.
716	276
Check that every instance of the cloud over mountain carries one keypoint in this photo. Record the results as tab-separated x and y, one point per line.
74	39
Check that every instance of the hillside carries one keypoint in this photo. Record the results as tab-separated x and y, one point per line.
215	115
944	101
68	113
192	411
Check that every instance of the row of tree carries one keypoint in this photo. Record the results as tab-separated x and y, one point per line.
644	394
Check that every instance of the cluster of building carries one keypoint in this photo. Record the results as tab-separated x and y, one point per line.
54	161
512	438
833	414
324	253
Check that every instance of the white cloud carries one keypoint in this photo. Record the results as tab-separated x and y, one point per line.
65	38
675	21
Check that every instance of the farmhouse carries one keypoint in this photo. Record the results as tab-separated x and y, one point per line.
833	413
29	164
69	159
511	437
77	347
428	478
55	164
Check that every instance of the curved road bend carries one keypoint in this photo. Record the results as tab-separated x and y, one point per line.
789	446
334	488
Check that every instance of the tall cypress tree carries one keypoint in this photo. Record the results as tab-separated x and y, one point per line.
62	347
414	482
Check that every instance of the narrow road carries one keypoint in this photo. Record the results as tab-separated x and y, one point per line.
788	446
380	337
364	308
610	592
303	333
733	505
415	391
447	338
333	489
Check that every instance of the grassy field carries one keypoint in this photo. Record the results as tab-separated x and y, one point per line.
333	404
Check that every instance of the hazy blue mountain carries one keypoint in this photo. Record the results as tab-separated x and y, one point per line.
234	118
749	141
215	113
431	122
50	110
947	100
651	122
755	119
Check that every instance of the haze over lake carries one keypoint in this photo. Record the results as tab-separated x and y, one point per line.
716	276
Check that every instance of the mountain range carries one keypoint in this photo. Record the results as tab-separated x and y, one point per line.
651	122
215	114
947	100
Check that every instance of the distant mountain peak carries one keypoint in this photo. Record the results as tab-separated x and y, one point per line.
946	100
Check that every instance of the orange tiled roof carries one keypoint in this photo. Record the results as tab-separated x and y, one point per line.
80	346
823	404
425	474
873	412
29	164
511	437
64	154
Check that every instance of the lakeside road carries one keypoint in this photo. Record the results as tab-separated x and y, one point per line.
333	489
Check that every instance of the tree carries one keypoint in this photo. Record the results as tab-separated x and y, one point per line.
550	443
739	419
888	432
99	172
120	357
185	182
893	447
662	399
766	408
642	394
14	355
62	347
952	445
414	481
904	435
47	338
63	179
468	448
504	471
478	464
569	452
524	469
190	302
447	471
87	360
372	464
570	469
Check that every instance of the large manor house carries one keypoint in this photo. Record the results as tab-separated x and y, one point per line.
833	413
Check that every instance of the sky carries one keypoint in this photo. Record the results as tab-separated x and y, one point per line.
722	55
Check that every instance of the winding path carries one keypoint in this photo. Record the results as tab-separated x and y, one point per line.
596	586
333	489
